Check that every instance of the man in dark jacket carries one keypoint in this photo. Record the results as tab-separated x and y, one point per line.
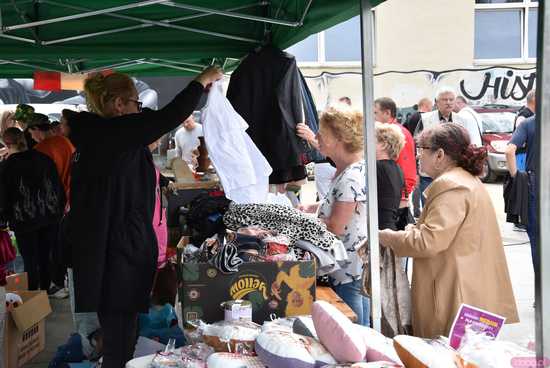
526	135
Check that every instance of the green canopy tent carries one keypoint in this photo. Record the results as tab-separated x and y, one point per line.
179	37
153	37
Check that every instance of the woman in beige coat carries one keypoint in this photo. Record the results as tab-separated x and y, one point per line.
456	243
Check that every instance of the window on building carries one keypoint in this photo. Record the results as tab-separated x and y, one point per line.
506	30
343	41
340	44
306	50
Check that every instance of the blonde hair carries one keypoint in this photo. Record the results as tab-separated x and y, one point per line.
7	121
346	125
391	137
101	89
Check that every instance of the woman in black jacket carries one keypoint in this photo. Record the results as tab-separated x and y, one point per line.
32	202
109	226
389	177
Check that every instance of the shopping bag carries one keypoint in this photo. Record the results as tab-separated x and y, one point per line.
7	250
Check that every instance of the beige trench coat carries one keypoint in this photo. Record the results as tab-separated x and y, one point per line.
458	255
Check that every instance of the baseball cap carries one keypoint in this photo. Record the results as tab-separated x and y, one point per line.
37	120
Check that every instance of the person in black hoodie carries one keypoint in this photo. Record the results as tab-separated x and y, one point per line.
31	201
109	226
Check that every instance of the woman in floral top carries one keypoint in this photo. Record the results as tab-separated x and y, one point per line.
344	209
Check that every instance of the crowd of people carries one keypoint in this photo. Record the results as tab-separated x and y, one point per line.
94	207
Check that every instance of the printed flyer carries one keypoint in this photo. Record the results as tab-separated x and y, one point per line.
478	319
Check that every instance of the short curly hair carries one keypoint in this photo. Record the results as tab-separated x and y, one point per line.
391	137
346	125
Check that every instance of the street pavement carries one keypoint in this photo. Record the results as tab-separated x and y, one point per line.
59	323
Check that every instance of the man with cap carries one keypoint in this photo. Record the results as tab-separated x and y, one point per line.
60	150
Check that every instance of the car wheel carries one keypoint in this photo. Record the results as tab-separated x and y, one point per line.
487	175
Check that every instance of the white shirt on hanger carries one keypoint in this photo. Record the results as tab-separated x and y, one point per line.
242	169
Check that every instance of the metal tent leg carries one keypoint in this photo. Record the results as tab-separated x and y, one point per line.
542	278
367	63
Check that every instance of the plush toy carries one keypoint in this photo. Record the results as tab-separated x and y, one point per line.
12	301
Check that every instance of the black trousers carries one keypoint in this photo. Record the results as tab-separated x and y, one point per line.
57	263
35	247
119	337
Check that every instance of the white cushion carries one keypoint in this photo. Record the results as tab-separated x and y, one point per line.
281	349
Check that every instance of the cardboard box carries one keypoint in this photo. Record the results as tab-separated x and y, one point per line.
25	329
16	282
275	289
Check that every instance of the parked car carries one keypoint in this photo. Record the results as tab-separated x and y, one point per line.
496	127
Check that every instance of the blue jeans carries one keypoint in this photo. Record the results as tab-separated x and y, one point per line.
352	296
532	221
425	182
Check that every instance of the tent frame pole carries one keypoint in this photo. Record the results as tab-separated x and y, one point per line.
145	23
367	64
542	277
304	14
17	38
81	15
170	66
179	63
238	15
2	61
123	64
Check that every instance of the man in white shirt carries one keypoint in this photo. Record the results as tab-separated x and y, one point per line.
187	139
470	120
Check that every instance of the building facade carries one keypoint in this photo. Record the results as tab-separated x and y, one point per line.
484	49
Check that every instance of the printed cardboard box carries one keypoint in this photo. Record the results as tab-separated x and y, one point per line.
25	329
275	289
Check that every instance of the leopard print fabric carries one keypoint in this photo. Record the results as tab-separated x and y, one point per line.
285	220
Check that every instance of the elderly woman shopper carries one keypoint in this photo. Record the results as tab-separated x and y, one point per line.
456	243
109	227
389	177
395	292
344	210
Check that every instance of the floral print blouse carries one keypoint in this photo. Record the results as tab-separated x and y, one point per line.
349	186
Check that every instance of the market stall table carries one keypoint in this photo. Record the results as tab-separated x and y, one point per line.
327	294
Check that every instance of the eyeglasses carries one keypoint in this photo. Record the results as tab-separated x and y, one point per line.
421	149
138	103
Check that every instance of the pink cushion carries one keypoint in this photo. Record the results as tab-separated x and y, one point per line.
337	333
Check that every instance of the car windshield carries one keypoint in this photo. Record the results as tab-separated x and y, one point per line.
497	122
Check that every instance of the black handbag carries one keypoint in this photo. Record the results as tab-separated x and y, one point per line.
404	218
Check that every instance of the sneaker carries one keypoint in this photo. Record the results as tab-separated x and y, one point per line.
62	293
53	289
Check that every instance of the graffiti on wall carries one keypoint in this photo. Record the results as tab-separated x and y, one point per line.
510	86
491	85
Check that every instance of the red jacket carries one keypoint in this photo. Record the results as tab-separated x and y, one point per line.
407	161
